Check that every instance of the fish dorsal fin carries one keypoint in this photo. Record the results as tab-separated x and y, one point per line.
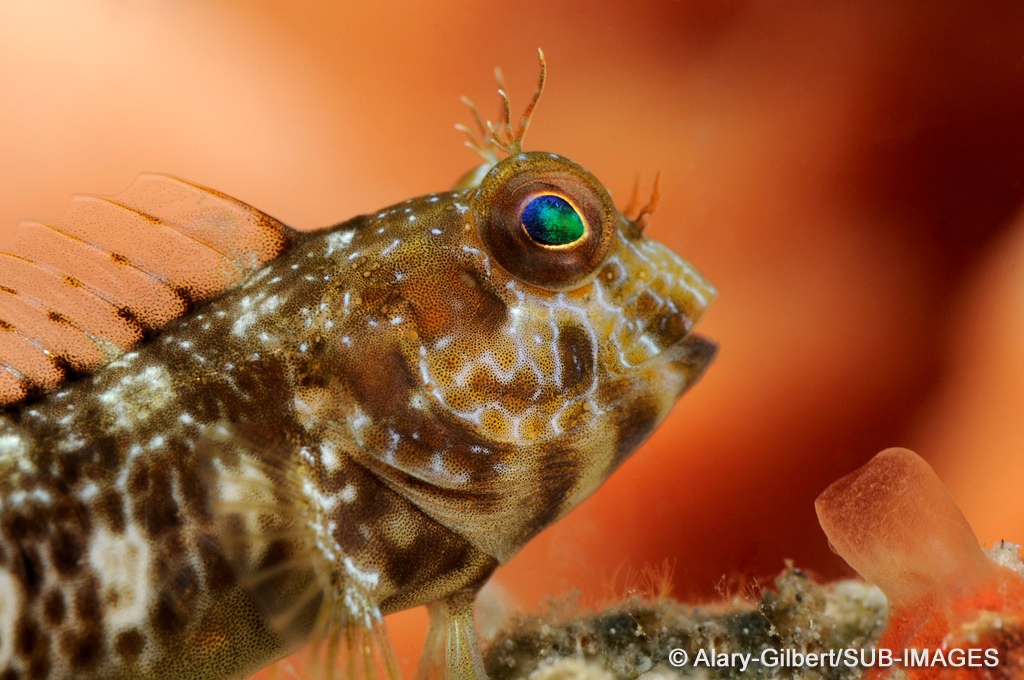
77	292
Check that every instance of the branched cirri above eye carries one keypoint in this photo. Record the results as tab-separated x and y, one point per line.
552	221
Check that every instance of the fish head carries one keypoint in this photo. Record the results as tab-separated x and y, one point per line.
515	342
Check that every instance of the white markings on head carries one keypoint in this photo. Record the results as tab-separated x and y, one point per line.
338	240
124	360
137	397
14	453
257	276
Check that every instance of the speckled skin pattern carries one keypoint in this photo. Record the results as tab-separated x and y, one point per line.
371	421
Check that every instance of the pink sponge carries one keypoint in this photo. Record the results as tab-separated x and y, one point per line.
894	522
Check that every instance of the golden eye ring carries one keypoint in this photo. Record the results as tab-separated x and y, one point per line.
545	219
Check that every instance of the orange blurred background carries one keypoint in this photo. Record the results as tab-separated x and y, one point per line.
849	175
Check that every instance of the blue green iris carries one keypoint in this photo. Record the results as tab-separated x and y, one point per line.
551	220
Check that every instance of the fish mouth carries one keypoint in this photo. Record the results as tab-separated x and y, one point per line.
691	355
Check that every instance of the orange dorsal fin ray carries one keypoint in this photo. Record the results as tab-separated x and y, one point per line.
77	292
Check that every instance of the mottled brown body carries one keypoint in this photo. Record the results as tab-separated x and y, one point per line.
371	421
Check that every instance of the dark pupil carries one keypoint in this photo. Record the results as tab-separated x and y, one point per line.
552	221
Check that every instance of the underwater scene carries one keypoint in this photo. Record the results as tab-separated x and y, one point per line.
809	217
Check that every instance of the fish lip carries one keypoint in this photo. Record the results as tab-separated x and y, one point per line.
693	353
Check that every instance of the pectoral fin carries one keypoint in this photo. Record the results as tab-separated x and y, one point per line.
277	534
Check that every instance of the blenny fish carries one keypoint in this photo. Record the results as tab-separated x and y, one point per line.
223	439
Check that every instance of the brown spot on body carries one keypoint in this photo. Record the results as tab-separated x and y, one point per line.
39	665
434	552
29	570
102	454
66	549
128	645
82	650
5	326
153	504
87	603
54	609
18	527
32	645
219	574
69	469
417	560
168	618
264	389
277	553
192	488
9	291
111	507
26	636
483	381
176	601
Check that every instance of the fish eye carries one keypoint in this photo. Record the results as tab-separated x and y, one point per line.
551	220
546	220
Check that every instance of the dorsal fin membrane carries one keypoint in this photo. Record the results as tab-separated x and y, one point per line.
78	292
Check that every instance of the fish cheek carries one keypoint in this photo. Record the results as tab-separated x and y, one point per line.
455	302
376	374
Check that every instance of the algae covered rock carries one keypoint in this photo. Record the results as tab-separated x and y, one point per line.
656	639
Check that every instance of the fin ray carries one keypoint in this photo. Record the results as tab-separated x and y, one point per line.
274	531
35	366
61	301
111	269
152	299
